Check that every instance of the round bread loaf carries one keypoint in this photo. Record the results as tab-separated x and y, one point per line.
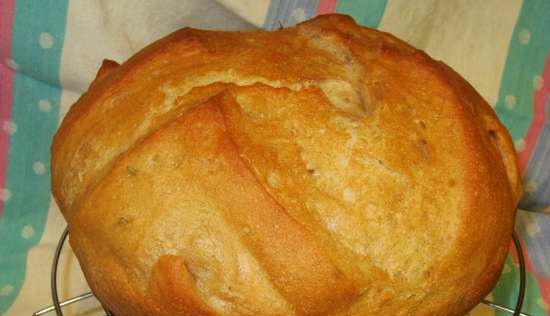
323	169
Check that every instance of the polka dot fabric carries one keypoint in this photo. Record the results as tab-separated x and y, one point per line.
29	77
45	65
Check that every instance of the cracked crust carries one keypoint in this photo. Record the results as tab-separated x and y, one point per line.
325	169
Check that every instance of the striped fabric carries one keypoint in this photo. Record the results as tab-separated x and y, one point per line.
50	50
32	40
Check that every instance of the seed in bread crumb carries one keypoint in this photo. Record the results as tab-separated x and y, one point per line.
123	221
310	167
131	171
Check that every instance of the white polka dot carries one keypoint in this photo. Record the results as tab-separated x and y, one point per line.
538	82
506	269
38	167
6	290
44	105
27	232
9	127
524	37
12	64
5	194
531	186
298	14
510	101
349	195
532	228
46	40
519	144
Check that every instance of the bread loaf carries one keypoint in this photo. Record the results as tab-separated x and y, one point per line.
323	169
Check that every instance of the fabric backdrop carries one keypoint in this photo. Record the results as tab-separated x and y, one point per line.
51	49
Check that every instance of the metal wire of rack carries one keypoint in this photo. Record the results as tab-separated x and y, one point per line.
57	305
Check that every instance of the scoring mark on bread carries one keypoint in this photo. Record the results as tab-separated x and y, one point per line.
498	145
345	96
347	92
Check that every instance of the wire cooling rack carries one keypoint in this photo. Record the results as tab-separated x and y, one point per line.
57	306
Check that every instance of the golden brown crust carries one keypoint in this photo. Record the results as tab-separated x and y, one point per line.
174	287
325	169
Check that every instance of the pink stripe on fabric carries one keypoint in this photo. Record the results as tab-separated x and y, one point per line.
326	6
6	85
539	117
545	292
